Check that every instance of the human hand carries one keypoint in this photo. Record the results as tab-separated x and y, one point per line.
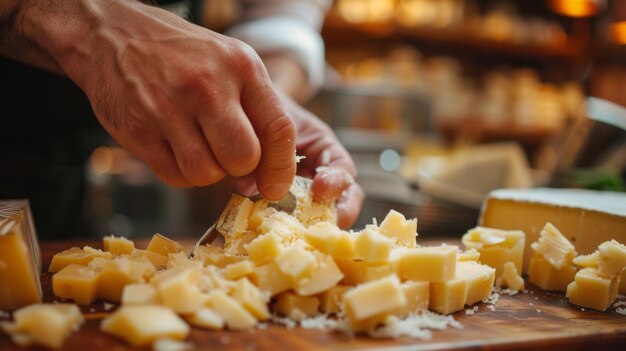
191	103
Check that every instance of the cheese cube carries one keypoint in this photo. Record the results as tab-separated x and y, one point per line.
178	289
234	314
357	272
163	245
238	270
373	298
332	299
612	260
234	218
297	307
283	225
157	260
417	298
237	244
368	324
296	262
554	247
396	226
214	255
496	247
142	325
205	318
76	282
433	264
372	246
43	324
328	238
116	273
251	298
75	255
270	279
468	255
117	245
480	279
140	294
510	278
264	248
325	275
545	276
449	296
20	258
590	289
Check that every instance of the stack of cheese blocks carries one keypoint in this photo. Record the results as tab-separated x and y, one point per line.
294	265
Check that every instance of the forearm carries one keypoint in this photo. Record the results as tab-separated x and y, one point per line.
287	75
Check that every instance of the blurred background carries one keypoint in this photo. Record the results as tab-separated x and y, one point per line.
438	101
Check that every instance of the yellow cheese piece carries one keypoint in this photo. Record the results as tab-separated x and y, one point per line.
251	298
163	246
448	296
236	244
142	325
140	294
76	282
510	278
117	245
433	264
270	279
357	272
324	276
554	247
234	218
612	258
480	279
283	225
178	289
77	256
20	258
206	318
238	270
589	289
332	299
374	298
396	226
417	296
296	262
328	238
116	273
180	259
214	255
43	324
157	260
496	247
264	248
368	324
543	274
587	217
297	307
371	246
234	314
257	214
468	255
307	211
587	261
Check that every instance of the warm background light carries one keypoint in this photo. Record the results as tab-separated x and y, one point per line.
618	31
576	8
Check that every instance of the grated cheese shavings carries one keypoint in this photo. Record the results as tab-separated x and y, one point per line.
417	326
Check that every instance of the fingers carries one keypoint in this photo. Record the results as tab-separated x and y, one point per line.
349	205
276	133
232	139
192	153
160	158
330	182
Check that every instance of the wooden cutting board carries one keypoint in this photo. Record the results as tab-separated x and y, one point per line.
534	320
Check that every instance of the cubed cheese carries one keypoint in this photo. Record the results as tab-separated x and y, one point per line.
448	296
328	238
234	314
510	278
238	270
396	226
251	298
332	299
178	289
433	264
264	248
296	262
163	245
543	274
612	260
590	289
75	255
205	318
76	282
371	246
554	247
270	279
480	280
297	307
117	245
496	247
417	298
374	298
357	272
325	275
234	218
140	294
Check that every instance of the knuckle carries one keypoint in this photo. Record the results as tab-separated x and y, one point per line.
199	173
280	131
242	162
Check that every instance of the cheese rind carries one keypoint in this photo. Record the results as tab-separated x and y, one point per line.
43	324
142	325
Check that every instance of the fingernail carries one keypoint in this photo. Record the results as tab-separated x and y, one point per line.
275	191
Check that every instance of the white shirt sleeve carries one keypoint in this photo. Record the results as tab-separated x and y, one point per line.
292	26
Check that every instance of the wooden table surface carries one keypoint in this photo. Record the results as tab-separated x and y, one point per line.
533	320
